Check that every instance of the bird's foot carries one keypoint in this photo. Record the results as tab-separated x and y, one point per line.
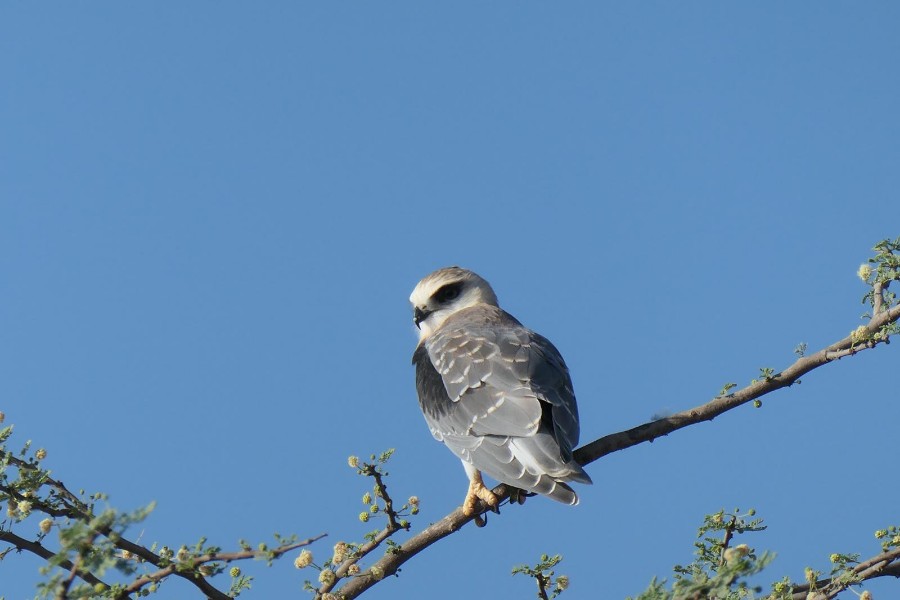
518	495
478	491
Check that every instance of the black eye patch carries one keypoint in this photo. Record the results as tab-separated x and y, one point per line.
448	292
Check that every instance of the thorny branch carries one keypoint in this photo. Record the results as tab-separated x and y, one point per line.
849	346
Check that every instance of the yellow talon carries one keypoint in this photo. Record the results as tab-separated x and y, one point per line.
477	491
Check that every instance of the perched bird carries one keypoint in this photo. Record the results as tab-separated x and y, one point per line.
496	393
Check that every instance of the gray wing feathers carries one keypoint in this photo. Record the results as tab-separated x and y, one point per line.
552	382
527	463
488	373
512	410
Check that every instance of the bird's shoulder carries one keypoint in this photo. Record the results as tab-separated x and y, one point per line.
487	329
480	316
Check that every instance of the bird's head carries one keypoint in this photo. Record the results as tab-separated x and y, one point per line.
445	292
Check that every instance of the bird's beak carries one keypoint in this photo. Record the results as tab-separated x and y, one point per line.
420	315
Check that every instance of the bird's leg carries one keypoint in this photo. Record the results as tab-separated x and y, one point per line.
477	491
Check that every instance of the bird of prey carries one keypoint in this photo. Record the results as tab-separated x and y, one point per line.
496	393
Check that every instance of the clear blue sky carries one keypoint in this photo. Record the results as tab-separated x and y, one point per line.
213	214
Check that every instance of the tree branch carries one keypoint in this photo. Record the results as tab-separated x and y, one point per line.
74	508
192	564
849	346
721	404
76	571
882	565
39	550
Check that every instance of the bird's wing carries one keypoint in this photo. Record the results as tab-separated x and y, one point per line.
499	380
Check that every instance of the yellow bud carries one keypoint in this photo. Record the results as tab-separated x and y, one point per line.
326	577
41	454
864	272
353	461
364	516
377	573
45	525
340	553
235	572
303	560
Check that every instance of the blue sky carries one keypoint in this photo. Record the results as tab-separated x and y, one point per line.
213	215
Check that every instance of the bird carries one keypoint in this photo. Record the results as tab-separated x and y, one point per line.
497	394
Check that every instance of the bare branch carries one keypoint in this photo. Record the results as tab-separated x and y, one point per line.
707	412
878	296
390	563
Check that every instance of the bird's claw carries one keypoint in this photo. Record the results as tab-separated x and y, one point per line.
478	491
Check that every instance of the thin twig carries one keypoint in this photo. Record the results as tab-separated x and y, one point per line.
63	592
390	529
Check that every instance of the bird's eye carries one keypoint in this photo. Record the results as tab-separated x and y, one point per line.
448	292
